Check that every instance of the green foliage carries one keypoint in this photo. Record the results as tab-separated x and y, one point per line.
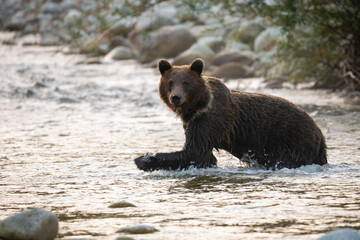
322	38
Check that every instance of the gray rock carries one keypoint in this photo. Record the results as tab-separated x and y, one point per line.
138	229
149	21
87	5
213	42
341	234
121	204
234	45
167	9
213	29
167	42
51	8
230	70
198	50
67	4
35	224
267	39
17	22
119	53
230	56
82	5
72	16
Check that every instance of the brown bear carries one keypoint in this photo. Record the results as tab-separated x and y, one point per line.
256	128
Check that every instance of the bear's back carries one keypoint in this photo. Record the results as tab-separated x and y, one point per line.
264	123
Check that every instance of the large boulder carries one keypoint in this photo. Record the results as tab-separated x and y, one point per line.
17	22
51	8
72	17
213	42
34	224
248	31
230	56
198	50
167	42
149	21
267	39
230	70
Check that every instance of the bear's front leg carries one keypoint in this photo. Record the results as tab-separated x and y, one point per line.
175	160
166	161
147	162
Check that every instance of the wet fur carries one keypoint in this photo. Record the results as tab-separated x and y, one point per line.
256	128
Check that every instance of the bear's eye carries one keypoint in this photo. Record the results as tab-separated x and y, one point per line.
170	84
185	84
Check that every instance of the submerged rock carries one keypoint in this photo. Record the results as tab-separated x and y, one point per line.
122	204
138	229
34	224
341	234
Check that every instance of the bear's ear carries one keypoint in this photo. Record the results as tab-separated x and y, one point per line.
163	66
197	65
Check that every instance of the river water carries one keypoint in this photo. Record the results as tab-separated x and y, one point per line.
69	133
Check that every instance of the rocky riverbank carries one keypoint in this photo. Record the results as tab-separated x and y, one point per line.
232	47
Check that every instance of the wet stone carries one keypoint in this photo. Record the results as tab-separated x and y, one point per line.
34	224
138	229
122	204
124	238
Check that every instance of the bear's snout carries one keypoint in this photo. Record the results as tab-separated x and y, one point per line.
176	99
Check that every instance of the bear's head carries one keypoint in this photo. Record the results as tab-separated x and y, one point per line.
183	89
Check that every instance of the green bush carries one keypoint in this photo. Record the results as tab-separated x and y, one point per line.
322	38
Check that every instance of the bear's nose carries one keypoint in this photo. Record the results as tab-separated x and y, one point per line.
175	99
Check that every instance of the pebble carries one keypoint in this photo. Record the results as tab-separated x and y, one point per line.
122	204
34	224
138	229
